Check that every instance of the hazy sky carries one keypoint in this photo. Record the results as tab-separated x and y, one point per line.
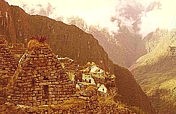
92	11
148	14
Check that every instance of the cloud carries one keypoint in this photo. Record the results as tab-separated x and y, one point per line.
45	11
146	16
153	5
33	7
141	16
92	11
162	17
128	13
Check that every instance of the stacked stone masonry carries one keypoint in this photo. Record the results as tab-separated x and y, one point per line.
17	49
8	64
41	80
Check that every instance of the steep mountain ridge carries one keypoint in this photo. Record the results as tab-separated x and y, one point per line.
158	46
123	48
68	41
26	26
156	71
127	88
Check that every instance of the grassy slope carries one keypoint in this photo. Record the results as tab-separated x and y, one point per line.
161	88
156	72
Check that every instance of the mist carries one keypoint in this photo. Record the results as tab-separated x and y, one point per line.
139	16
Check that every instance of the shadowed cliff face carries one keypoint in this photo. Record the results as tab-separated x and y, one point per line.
7	24
70	41
129	92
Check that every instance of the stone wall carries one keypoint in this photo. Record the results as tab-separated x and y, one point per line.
76	106
84	107
7	63
2	96
17	49
41	79
172	50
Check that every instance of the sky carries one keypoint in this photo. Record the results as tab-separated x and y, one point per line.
143	15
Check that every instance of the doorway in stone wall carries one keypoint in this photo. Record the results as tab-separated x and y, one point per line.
45	91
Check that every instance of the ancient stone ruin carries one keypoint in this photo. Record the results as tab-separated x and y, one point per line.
7	63
41	84
40	78
71	67
172	50
17	50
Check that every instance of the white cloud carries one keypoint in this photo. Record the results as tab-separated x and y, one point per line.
100	12
94	12
163	18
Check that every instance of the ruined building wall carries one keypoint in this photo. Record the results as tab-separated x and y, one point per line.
7	63
17	48
41	80
172	51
